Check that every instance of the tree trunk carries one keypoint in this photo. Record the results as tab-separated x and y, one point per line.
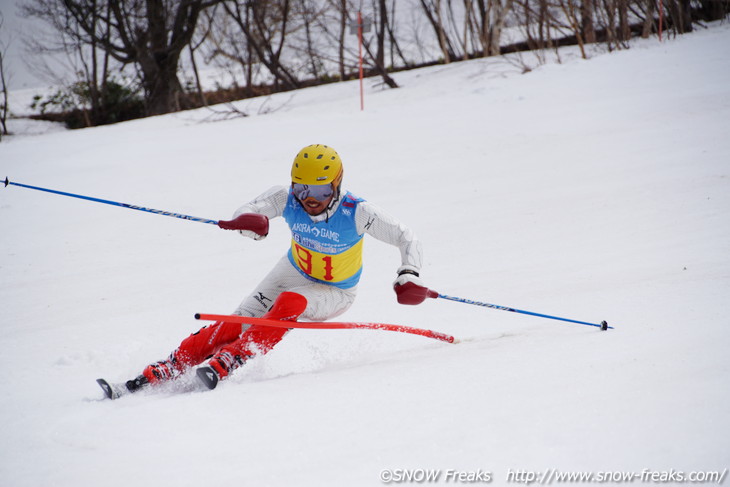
342	34
648	19
3	89
623	21
438	28
586	12
3	98
161	84
382	25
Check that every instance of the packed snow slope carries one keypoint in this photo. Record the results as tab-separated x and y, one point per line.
592	190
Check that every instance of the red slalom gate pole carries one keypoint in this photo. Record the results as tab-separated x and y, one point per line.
327	325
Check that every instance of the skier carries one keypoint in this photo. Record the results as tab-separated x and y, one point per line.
317	278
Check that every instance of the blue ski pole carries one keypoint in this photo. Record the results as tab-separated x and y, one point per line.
115	203
602	325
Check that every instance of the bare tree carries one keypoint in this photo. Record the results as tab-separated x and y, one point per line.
587	27
680	14
572	14
432	10
492	17
469	28
265	25
647	7
150	34
229	51
382	15
204	35
308	12
385	33
378	58
387	79
91	93
343	13
395	49
341	33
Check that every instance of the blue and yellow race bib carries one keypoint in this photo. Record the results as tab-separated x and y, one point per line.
329	251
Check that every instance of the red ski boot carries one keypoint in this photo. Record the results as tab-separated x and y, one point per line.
257	339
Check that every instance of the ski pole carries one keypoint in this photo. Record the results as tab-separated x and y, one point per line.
603	325
115	203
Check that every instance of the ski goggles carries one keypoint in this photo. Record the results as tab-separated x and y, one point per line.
320	192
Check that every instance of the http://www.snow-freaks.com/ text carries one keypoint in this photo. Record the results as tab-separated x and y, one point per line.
549	476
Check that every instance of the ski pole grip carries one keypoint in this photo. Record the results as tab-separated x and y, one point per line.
253	222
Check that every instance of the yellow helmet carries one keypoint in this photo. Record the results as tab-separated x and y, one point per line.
317	164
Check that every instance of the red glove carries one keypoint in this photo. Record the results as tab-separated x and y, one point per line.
410	290
249	224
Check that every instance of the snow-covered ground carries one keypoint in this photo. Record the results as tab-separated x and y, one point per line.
591	190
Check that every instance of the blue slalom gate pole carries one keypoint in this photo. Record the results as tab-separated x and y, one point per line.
602	325
116	203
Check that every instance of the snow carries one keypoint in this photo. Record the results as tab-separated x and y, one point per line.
591	190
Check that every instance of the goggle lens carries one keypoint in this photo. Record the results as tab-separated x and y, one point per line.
320	192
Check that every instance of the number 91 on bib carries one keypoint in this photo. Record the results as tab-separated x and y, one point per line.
330	268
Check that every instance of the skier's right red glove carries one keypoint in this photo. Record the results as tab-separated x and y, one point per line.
409	288
250	225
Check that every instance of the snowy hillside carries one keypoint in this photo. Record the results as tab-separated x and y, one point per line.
591	190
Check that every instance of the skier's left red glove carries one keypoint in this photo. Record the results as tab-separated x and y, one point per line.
250	225
409	288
